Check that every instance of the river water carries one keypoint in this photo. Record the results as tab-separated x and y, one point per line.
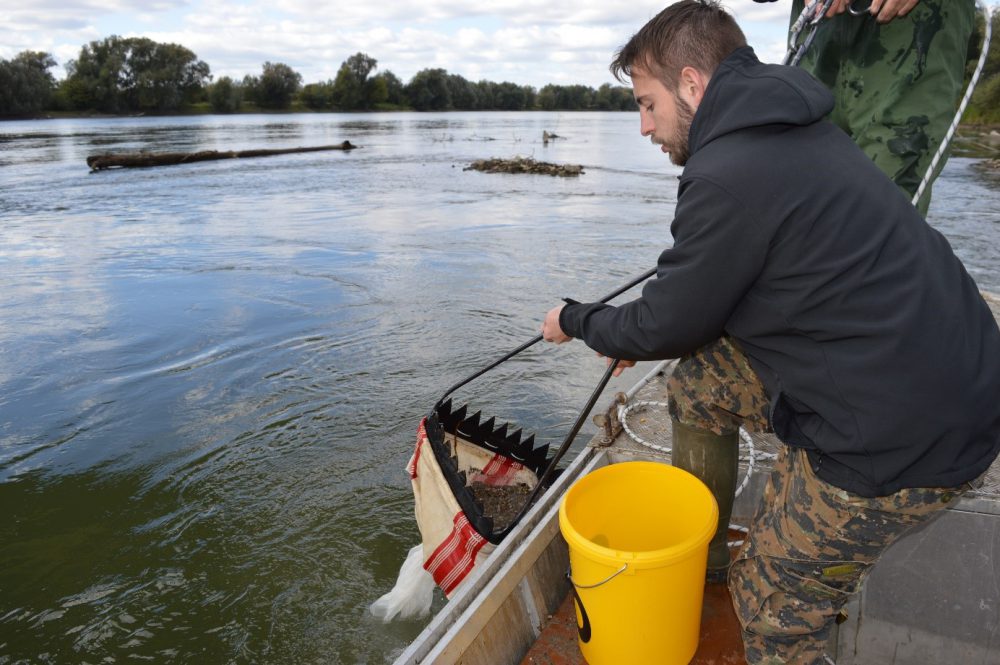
211	374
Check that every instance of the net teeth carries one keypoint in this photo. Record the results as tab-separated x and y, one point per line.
542	452
503	438
497	438
526	448
471	424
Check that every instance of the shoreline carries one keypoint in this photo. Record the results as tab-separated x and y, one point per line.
969	127
97	115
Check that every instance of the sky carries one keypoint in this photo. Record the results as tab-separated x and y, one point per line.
528	42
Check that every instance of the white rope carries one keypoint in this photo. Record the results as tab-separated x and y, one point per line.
750	458
625	409
946	141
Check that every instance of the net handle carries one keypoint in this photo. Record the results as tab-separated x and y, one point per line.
580	419
475	375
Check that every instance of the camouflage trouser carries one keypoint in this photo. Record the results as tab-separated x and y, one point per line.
896	85
810	544
810	547
715	389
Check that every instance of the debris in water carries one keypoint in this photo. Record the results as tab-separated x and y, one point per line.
524	165
549	136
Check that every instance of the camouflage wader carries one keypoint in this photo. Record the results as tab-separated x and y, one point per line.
811	544
896	85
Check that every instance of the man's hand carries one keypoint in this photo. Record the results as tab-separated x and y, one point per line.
622	365
837	7
883	10
551	330
886	10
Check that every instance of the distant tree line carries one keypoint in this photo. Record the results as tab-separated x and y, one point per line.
138	75
120	75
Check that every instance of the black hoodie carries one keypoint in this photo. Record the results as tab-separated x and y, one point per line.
878	353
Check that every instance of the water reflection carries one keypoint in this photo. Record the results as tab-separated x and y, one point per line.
370	126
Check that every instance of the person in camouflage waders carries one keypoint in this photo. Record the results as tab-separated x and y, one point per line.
804	295
811	543
896	78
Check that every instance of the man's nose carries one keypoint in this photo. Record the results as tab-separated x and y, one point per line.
645	125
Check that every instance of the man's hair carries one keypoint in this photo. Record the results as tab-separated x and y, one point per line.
695	33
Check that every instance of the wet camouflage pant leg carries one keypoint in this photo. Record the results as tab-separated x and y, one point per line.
896	85
715	389
809	548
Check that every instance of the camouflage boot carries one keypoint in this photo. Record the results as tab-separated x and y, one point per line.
713	459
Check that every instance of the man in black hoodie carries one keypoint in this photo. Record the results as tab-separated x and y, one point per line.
803	293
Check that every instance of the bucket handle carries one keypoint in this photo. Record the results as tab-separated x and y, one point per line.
613	575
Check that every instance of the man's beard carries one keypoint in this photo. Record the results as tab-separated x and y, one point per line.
679	152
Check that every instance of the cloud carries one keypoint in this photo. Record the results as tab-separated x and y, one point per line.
560	41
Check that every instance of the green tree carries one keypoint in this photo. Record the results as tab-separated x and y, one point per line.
133	74
346	93
394	88
317	96
567	97
614	98
530	96
26	85
578	97
93	79
361	65
276	86
376	92
225	95
486	94
251	88
428	90
547	98
463	93
162	76
509	97
353	89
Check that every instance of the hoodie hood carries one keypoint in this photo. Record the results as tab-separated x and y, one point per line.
744	92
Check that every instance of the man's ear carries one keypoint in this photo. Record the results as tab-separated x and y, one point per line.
691	85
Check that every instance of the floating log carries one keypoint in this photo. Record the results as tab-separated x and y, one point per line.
524	165
145	159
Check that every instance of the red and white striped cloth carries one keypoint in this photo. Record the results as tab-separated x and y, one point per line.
453	544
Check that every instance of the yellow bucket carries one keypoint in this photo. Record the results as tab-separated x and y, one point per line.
638	536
